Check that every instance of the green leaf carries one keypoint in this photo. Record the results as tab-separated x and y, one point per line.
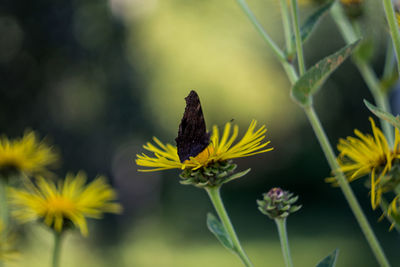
330	260
314	78
380	113
237	175
312	21
215	226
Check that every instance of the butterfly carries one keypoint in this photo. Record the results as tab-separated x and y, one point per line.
192	134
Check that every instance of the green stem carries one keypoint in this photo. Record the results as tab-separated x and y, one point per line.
351	33
299	43
277	51
394	28
343	23
286	26
4	203
290	71
56	249
214	194
350	37
281	224
380	97
3	210
345	187
389	61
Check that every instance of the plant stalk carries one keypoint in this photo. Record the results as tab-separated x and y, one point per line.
56	249
380	97
345	187
286	26
3	203
3	210
215	197
299	42
350	35
394	28
281	224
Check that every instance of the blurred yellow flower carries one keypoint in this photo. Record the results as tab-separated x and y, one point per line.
366	154
27	154
397	13
70	201
220	149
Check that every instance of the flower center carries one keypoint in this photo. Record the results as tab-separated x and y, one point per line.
59	204
203	156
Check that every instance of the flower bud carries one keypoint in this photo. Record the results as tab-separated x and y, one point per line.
278	204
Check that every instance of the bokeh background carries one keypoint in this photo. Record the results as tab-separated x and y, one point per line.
99	78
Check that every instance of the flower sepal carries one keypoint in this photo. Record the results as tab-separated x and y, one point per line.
391	181
213	175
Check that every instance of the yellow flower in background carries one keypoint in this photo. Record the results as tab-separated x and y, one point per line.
397	13
368	154
220	149
26	154
68	201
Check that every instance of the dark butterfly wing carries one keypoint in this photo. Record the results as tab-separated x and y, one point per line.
192	135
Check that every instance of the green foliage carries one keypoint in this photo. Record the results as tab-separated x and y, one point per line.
330	260
308	84
215	226
380	113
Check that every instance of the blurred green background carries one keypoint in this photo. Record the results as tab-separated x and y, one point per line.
100	78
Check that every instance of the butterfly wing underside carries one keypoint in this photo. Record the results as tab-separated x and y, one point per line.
192	135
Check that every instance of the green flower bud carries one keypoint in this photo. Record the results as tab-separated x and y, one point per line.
278	204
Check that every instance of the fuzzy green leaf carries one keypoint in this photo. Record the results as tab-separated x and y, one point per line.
380	113
330	260
237	175
215	226
314	78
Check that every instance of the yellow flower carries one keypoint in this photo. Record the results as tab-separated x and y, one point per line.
27	154
397	13
70	201
366	154
220	149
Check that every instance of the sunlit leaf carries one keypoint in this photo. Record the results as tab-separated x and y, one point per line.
330	260
215	226
314	78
